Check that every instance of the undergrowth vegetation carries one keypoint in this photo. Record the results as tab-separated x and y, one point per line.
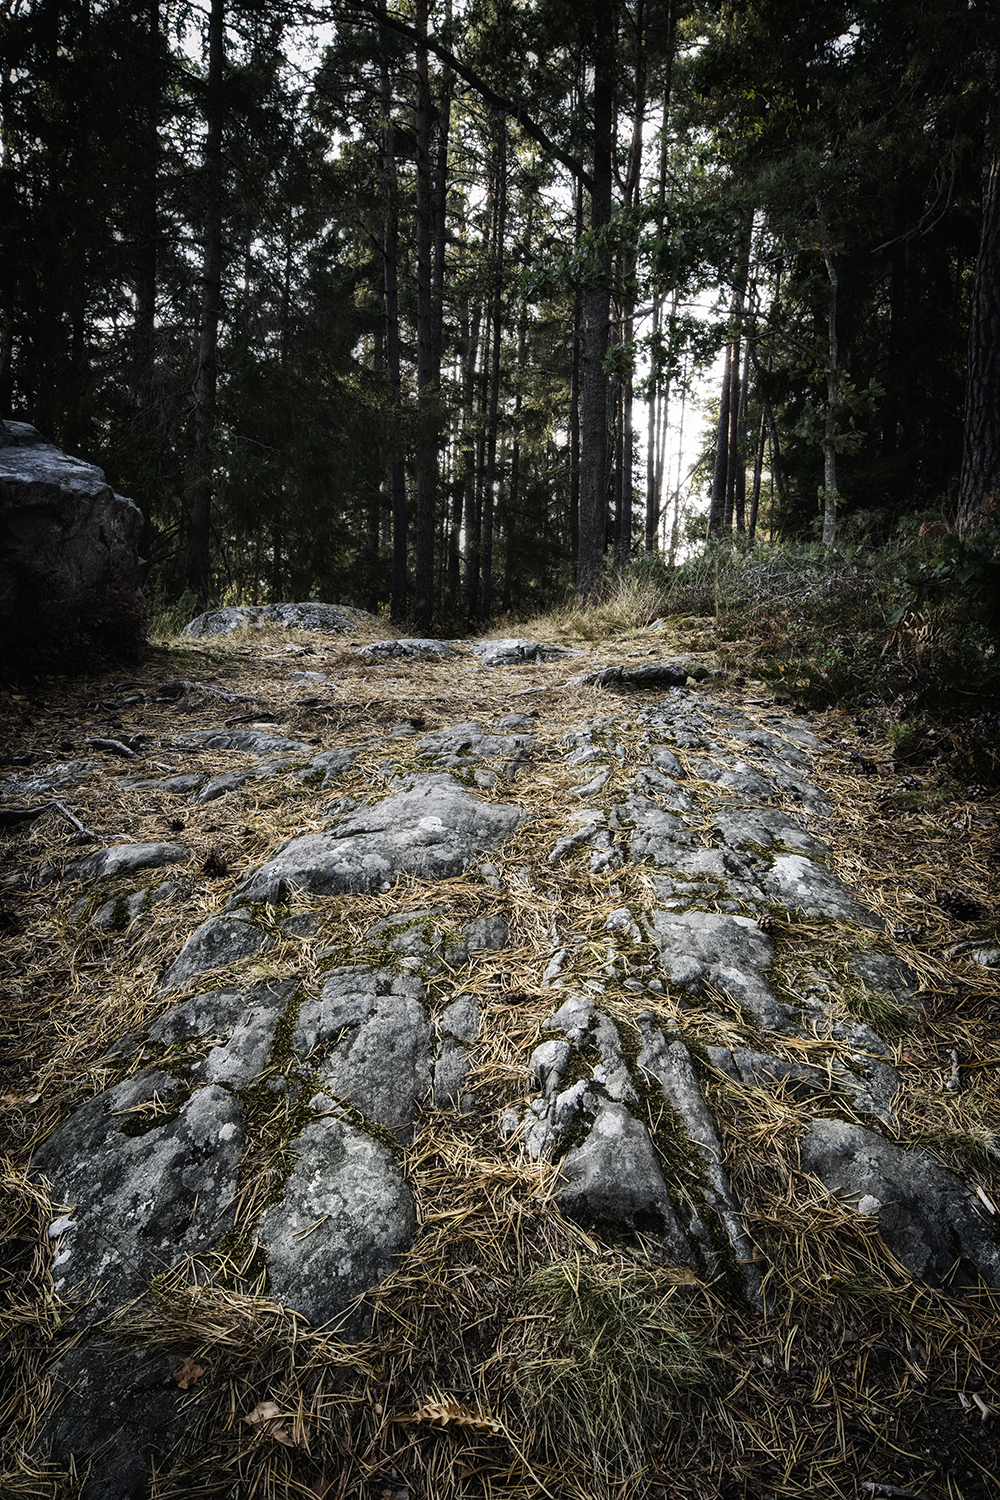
905	635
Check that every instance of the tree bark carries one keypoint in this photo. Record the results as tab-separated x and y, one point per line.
979	487
206	375
390	255
717	508
830	494
594	403
426	466
493	408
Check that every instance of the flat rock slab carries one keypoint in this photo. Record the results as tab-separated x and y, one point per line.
729	952
333	619
432	830
253	741
125	859
227	938
149	1171
926	1215
407	648
236	1028
345	1215
370	1041
512	651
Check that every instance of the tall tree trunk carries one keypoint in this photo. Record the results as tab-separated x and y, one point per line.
830	494
594	403
144	329
980	481
390	255
624	489
717	508
426	465
492	413
574	403
651	530
469	420
758	468
206	375
740	468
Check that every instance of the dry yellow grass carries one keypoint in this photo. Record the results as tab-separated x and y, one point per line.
469	1382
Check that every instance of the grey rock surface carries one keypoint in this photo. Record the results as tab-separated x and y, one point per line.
928	1218
333	619
729	952
235	1027
369	1039
118	1410
69	550
148	1171
125	859
614	1179
512	650
345	1215
432	830
224	939
637	1018
407	648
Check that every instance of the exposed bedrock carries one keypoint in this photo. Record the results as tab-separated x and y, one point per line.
422	958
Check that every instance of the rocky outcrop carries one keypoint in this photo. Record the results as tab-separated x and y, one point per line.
333	619
426	950
69	561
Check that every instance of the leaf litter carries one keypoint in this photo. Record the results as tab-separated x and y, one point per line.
505	1355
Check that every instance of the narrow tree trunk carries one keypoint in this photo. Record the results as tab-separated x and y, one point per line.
732	456
740	491
830	495
652	526
594	403
758	468
144	331
426	465
980	481
574	405
390	254
489	487
471	342
717	508
206	375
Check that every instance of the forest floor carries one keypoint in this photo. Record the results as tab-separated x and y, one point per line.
869	1385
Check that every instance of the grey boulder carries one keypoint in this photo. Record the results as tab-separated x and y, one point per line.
614	1178
125	859
407	648
334	619
69	558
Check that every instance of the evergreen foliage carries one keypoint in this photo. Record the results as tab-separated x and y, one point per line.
455	251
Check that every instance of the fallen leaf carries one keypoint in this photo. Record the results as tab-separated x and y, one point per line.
265	1411
187	1373
270	1411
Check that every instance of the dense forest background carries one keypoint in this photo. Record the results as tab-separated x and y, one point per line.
391	306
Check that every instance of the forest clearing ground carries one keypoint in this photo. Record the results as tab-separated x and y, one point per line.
476	1379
